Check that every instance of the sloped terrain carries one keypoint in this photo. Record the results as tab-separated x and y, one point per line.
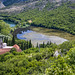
35	61
23	5
10	2
1	5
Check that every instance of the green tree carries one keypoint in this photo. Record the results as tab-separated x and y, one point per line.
13	40
6	39
37	45
43	45
30	44
71	56
12	50
27	45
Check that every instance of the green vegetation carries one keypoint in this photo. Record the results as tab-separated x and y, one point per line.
53	32
62	18
33	61
4	28
13	50
21	43
41	60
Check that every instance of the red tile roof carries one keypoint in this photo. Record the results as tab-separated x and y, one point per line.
16	46
4	50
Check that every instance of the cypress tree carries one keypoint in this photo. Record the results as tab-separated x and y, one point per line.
30	45
37	45
27	45
48	43
13	40
43	45
24	46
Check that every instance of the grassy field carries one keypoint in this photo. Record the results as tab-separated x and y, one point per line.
53	32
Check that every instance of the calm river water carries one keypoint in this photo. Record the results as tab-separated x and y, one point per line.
10	23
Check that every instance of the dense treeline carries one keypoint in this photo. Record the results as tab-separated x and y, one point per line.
62	18
4	28
21	43
40	62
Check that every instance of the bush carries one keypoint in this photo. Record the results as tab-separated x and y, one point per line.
13	50
38	57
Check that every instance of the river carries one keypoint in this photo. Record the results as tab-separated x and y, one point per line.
10	23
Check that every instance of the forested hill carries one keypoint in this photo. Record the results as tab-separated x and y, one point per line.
62	18
43	60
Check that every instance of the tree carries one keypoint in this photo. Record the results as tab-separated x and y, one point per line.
27	45
37	45
24	46
13	40
71	56
6	39
43	45
12	50
30	45
48	43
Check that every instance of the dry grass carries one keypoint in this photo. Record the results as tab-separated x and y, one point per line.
53	32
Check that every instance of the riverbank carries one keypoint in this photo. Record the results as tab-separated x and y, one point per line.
53	32
39	38
46	31
41	34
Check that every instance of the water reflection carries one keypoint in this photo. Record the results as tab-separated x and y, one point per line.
38	37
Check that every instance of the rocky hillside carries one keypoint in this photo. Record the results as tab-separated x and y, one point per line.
1	5
23	5
10	2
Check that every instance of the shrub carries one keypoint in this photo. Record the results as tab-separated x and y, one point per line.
12	50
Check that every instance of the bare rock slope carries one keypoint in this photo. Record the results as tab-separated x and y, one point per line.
1	5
